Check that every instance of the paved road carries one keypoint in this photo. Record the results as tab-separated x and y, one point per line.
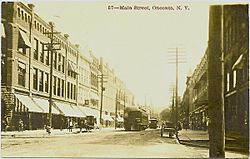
107	144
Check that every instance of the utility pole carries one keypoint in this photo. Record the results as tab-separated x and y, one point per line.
116	104
51	50
216	83
102	76
176	62
176	89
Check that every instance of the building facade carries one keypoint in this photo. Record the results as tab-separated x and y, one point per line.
236	67
236	76
37	66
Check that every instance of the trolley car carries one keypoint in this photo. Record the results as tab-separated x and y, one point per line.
135	118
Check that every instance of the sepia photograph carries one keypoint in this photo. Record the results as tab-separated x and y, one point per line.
124	79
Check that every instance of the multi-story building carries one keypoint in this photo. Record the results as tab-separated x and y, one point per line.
94	93
28	72
236	75
236	67
33	72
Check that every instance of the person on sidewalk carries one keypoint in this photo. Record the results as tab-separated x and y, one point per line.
20	125
81	125
70	125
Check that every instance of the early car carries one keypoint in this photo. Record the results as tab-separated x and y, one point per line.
168	128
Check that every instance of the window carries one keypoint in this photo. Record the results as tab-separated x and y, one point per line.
21	73
55	60
25	17
46	82
40	80
19	12
47	57
71	91
35	76
42	53
63	59
74	93
54	85
58	86
36	49
59	62
22	49
68	89
22	14
62	88
234	78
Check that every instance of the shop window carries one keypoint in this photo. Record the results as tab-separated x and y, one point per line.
46	83
21	74
35	76
40	80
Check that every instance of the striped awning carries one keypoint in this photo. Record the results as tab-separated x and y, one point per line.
29	103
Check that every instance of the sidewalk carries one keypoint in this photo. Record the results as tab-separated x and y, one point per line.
199	138
43	133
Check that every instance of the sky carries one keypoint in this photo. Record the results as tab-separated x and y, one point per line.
139	45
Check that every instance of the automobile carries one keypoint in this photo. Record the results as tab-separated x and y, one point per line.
168	128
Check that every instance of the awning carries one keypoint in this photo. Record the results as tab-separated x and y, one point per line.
3	32
72	67
107	117
29	103
89	111
94	96
68	110
239	63
78	111
24	40
44	104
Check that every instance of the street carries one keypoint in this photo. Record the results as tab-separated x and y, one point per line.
109	143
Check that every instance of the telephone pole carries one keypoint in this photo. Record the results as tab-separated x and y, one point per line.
102	77
216	83
116	104
51	49
176	61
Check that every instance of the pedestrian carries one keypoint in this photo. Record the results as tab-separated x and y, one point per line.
61	124
4	124
81	125
20	125
70	125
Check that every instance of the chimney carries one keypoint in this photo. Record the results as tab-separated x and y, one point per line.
77	46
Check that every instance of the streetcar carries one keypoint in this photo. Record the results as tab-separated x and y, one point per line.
135	118
153	123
